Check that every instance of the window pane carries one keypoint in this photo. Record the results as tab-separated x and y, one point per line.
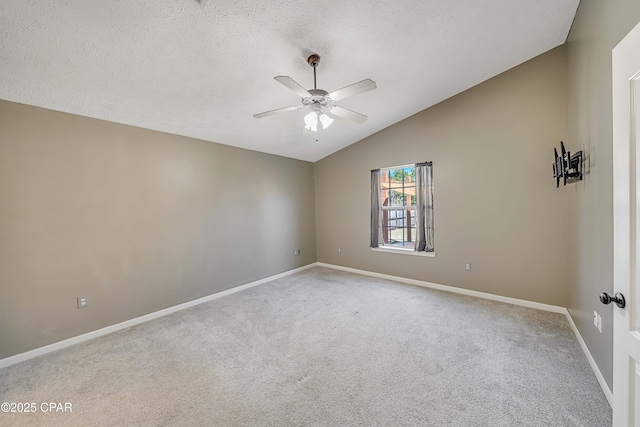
409	176
385	235
384	197
387	180
396	236
398	177
397	198
400	237
398	226
398	186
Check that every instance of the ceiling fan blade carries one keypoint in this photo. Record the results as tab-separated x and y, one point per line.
354	89
279	110
293	85
347	114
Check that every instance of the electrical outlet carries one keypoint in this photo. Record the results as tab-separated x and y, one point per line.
599	323
339	250
83	302
296	252
467	267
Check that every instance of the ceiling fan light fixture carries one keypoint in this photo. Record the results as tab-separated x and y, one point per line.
311	121
325	120
315	118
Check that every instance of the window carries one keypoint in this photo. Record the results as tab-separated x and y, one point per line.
398	200
402	209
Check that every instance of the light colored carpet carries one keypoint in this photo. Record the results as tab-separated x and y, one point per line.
322	348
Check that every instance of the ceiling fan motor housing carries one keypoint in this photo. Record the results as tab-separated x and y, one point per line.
318	96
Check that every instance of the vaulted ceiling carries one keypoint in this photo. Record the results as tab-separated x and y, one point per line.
203	70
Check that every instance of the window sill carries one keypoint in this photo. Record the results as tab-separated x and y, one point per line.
404	252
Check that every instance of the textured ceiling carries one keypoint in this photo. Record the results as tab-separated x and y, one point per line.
203	71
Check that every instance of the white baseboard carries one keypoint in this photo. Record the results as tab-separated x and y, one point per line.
603	384
515	301
12	360
477	294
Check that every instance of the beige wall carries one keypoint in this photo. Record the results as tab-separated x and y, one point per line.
598	27
134	219
496	204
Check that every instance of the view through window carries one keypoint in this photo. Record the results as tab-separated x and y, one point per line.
398	199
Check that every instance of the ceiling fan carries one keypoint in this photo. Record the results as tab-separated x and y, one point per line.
320	101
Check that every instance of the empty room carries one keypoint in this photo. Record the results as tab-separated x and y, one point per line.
281	213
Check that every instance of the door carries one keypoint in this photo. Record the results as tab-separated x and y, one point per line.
626	229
